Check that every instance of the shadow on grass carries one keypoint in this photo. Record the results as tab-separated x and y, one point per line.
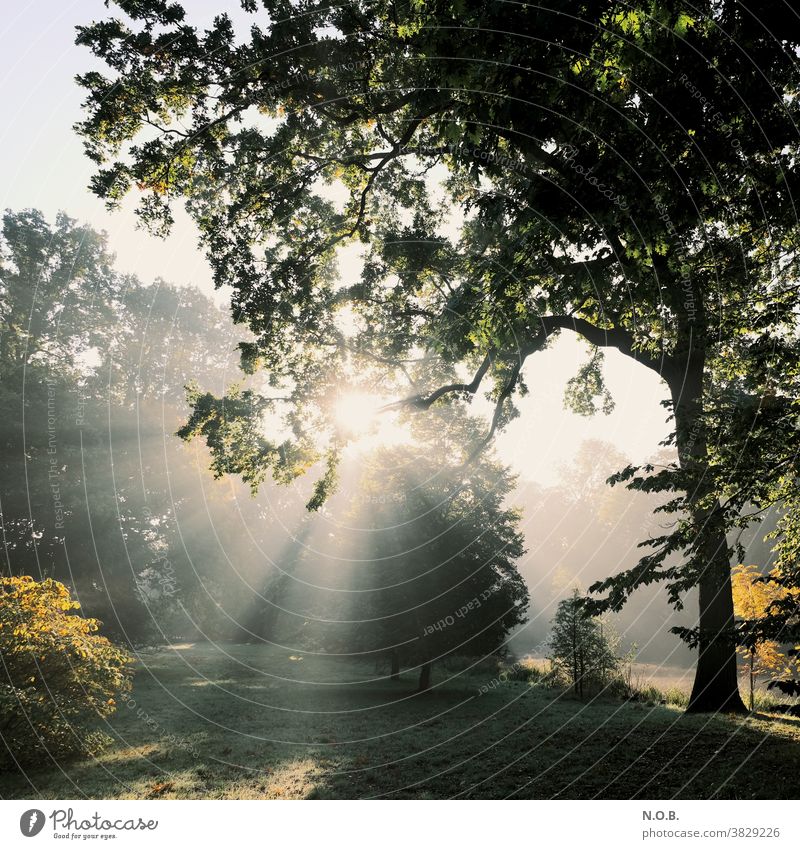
254	722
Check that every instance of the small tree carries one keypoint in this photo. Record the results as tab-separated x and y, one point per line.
752	599
58	676
582	648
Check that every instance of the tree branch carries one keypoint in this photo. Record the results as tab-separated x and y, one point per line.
511	384
425	402
607	337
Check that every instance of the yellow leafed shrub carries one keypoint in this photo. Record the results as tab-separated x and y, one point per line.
58	676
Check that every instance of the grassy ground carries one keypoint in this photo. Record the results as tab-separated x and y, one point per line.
247	722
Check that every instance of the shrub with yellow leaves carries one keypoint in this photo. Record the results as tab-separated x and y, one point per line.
752	598
58	676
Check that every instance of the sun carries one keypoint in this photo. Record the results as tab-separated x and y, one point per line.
356	413
364	419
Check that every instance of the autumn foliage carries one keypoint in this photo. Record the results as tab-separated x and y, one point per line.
752	598
58	675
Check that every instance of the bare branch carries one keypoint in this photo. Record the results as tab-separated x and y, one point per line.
511	384
424	402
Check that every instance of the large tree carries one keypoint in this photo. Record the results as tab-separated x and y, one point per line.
624	171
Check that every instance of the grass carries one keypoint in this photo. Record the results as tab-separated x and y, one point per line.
252	722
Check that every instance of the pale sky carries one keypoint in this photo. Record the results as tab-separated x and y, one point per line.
42	165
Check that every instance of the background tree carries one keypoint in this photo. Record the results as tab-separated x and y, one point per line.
417	561
98	493
581	531
441	552
606	181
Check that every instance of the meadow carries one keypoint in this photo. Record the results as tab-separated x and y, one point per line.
253	722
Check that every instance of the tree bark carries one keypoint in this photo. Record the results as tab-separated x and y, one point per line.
425	676
716	684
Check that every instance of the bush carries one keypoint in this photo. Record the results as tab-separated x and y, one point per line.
650	694
58	677
524	670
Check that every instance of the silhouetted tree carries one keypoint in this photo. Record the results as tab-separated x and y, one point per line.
437	559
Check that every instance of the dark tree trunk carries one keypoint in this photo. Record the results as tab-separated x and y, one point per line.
425	676
716	684
395	666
